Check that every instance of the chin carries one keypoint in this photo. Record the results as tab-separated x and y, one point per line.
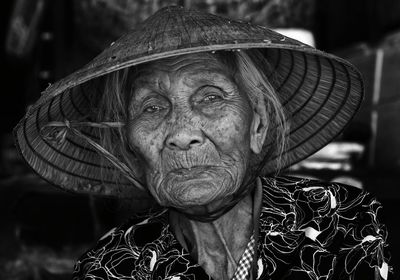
188	191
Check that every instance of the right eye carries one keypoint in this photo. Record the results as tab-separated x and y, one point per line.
153	109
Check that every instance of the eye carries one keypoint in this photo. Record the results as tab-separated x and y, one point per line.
153	109
212	98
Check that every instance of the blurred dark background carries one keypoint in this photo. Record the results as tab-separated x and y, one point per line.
44	229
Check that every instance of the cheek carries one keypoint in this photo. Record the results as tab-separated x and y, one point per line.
230	129
144	140
147	143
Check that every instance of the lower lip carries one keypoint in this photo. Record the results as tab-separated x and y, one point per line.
196	170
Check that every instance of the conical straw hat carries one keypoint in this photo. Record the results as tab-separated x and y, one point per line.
319	92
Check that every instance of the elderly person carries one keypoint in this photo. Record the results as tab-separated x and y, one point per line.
200	113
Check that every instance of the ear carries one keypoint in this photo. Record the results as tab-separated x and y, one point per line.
259	126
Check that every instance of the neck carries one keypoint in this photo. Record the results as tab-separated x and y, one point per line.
218	245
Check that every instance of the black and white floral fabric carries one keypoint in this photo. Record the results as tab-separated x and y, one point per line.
308	230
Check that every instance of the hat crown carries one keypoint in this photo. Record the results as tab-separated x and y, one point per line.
171	31
174	28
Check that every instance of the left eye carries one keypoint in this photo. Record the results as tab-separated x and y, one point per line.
212	98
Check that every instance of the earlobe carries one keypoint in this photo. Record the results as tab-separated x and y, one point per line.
259	127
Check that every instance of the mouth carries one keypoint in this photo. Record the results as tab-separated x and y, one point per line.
192	171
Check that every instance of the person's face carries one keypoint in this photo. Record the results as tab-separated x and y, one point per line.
190	124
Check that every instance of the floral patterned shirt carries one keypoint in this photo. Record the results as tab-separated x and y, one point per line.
308	230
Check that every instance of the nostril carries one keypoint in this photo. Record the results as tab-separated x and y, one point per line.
172	144
194	142
184	141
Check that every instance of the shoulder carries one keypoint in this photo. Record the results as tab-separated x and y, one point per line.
320	197
120	250
324	221
312	205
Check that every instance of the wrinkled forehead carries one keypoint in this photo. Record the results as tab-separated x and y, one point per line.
206	65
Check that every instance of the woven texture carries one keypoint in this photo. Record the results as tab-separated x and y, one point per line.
243	269
319	92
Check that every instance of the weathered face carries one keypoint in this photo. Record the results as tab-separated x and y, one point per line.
190	124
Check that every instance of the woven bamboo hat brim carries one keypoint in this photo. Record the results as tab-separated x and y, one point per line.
319	92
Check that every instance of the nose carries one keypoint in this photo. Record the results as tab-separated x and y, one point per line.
185	139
